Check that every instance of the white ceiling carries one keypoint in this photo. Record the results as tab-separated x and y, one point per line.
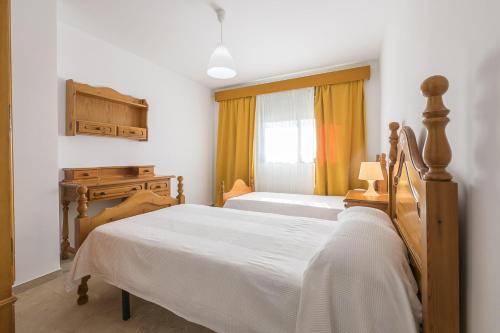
265	37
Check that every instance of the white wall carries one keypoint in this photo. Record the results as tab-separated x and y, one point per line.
34	103
180	115
372	109
460	40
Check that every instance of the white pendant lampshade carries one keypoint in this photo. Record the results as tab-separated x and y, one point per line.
221	64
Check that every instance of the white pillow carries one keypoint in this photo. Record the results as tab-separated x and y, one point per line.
367	214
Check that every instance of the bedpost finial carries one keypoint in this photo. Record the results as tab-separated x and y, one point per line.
393	140
180	190
435	85
383	160
437	151
82	201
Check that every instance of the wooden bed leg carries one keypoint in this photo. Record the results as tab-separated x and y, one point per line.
83	298
125	305
180	190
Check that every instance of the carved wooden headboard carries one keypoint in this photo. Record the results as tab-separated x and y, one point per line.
141	202
423	204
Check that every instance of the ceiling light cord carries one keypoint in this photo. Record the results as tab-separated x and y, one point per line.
220	16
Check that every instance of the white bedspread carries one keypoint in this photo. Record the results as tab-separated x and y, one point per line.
236	271
228	270
315	206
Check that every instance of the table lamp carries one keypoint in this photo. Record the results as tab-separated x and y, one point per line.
370	171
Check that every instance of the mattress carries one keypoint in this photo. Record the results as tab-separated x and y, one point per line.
315	206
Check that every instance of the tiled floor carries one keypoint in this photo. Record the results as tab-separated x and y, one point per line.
49	308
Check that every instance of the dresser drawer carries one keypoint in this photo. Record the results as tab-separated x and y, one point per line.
132	132
115	191
145	171
85	174
91	127
159	186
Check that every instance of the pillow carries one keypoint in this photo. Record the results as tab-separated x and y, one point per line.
367	214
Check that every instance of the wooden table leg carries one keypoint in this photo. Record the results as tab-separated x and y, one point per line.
65	231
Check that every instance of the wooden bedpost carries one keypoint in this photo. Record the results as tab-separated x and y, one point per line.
440	276
393	155
437	151
82	221
82	224
381	185
82	201
252	184
180	190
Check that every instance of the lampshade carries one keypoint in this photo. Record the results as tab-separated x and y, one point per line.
370	171
221	64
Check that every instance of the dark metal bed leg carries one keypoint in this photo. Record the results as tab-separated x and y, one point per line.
125	305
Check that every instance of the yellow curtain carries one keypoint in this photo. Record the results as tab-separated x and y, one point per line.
340	134
234	143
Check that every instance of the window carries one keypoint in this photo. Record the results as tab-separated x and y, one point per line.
285	142
289	141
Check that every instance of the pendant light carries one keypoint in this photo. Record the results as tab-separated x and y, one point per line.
221	64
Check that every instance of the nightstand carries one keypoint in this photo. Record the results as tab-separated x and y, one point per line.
356	198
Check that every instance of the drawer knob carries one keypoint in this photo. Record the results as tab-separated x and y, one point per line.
100	193
85	174
146	171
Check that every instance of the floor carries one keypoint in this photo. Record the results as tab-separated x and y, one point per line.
49	308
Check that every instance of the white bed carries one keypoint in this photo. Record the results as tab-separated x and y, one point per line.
315	206
246	272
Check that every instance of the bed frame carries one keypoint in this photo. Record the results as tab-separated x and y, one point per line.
423	205
143	201
241	188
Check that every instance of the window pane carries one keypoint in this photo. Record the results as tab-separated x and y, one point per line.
281	142
307	141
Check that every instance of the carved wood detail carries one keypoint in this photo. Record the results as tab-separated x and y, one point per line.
437	151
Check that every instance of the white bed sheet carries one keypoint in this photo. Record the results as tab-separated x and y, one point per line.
315	206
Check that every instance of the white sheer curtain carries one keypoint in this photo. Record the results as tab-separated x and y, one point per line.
285	142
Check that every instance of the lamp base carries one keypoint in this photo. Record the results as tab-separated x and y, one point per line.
371	190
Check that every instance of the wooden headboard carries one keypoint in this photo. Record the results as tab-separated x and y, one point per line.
423	205
141	202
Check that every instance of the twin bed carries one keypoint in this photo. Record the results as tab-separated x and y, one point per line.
243	197
244	271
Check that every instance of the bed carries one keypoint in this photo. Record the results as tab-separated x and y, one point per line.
315	206
242	271
243	197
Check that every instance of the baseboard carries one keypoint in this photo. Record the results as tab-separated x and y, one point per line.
36	282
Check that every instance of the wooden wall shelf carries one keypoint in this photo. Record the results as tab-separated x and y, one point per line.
104	112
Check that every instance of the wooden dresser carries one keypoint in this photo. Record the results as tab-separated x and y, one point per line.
107	183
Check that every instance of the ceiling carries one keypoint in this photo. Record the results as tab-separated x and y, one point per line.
266	37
